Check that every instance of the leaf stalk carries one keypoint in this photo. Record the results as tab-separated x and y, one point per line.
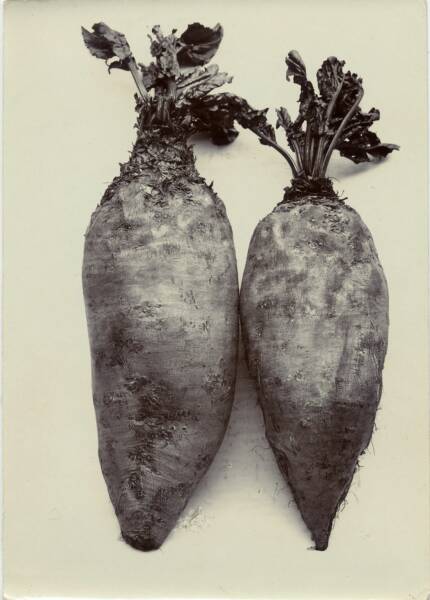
267	141
137	76
340	130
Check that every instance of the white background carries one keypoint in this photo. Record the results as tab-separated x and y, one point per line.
67	125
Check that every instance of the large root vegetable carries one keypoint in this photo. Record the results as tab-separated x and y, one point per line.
161	292
314	301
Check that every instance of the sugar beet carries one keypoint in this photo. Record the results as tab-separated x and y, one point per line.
314	299
314	308
161	291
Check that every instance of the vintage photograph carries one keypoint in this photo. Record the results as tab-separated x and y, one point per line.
216	300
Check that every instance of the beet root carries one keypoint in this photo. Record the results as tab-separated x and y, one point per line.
314	313
161	294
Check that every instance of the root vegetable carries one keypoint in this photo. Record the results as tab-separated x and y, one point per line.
161	290
314	300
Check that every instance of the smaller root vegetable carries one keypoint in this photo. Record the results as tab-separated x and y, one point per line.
314	307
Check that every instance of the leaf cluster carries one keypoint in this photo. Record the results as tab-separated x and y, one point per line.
175	87
331	120
176	91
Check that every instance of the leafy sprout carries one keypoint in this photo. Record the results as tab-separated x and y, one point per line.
328	121
174	89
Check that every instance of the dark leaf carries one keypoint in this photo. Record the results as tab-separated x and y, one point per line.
364	145
256	120
216	114
329	76
97	45
296	68
213	111
293	131
239	110
307	102
352	86
106	43
361	121
118	64
342	93
199	44
221	136
382	150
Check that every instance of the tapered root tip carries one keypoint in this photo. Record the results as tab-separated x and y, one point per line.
321	539
142	543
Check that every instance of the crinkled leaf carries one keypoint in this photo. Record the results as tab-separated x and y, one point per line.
358	143
351	87
364	145
329	76
201	82
215	113
106	43
361	121
307	102
97	45
256	120
237	109
199	44
193	76
296	68
120	46
210	84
